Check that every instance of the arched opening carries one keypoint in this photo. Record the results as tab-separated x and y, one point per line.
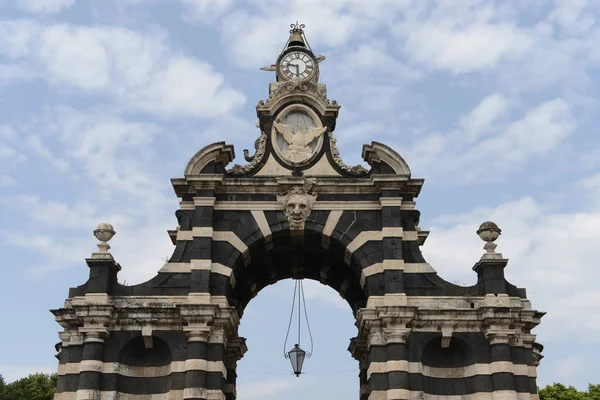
145	367
331	372
262	292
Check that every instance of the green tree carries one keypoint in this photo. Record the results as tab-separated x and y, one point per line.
594	391
34	387
558	391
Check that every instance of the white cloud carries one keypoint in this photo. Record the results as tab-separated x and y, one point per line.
575	16
486	113
9	153
142	72
540	130
38	147
44	6
112	151
548	254
321	293
465	50
205	10
7	180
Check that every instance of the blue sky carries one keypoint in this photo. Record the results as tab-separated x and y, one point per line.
493	103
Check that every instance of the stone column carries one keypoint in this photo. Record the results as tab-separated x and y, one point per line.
202	232
95	319
216	372
397	361
358	348
501	363
208	326
199	317
90	368
386	332
393	231
377	359
236	347
195	364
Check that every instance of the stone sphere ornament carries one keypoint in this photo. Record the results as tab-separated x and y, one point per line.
489	232
104	232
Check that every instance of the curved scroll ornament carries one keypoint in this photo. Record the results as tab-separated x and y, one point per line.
260	146
355	169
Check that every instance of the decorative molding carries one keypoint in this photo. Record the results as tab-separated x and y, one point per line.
260	145
335	153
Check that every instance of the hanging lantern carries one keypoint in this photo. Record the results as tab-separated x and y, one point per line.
296	356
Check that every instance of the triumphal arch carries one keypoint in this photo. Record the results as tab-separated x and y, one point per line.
296	210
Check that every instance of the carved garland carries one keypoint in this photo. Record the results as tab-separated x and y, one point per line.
292	86
261	146
355	169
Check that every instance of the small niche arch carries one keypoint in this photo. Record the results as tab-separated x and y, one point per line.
439	364
143	369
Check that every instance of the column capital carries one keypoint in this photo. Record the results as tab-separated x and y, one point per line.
499	335
375	334
397	334
94	334
197	333
197	314
95	319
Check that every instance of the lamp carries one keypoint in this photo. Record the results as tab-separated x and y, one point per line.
296	356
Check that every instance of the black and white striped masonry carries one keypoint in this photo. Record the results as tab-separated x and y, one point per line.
297	211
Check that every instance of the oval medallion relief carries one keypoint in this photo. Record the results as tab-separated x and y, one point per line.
297	135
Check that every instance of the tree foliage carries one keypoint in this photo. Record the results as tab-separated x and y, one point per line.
34	387
558	391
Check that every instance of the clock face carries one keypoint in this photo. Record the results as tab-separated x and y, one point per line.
297	64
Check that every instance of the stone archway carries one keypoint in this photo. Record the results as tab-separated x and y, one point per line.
242	228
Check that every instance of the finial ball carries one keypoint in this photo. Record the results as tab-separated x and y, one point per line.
104	232
489	231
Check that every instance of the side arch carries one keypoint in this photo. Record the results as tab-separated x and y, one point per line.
145	370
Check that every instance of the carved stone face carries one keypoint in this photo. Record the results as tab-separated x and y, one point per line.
297	205
297	209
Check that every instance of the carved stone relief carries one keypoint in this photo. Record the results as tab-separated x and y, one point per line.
297	203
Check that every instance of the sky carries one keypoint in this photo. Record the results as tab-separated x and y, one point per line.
494	104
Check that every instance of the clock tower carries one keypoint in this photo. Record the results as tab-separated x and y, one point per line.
297	60
297	120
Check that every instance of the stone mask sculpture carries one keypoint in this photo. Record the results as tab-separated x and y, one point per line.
297	204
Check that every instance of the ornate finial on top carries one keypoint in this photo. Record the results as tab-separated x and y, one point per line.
104	232
489	232
297	37
297	27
